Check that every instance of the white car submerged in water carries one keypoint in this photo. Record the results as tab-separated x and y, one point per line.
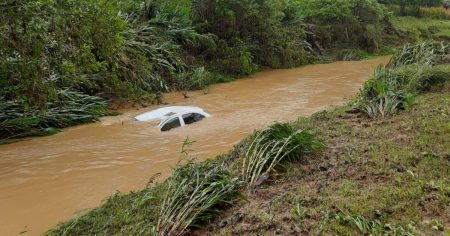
174	116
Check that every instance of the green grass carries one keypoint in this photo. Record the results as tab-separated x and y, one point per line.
412	70
416	29
443	33
18	119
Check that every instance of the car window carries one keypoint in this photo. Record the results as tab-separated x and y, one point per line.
171	124
192	118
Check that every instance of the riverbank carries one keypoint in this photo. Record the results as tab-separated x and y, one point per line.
389	175
64	175
364	182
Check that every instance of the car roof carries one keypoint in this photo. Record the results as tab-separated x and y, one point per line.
164	113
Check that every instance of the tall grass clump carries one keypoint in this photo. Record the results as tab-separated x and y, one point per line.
421	54
193	194
271	146
383	95
412	70
71	108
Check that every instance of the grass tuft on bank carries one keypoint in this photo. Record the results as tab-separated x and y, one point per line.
412	70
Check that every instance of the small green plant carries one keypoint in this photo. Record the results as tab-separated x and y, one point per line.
367	226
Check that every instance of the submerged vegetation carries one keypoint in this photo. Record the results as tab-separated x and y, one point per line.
364	182
134	50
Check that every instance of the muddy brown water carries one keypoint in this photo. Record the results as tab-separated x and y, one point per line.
47	180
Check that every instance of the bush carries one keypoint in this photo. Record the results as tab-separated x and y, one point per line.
345	22
267	33
383	95
196	79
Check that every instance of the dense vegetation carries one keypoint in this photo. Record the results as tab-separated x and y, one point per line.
197	192
136	49
412	70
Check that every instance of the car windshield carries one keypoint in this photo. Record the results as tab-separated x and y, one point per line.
192	118
171	124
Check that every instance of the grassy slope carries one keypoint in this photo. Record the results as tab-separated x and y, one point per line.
396	171
411	28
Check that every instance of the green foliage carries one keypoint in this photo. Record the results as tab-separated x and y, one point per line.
412	70
270	147
411	7
271	32
382	95
345	21
18	120
371	227
192	195
45	41
426	54
411	29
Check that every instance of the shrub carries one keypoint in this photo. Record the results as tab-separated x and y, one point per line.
345	22
425	78
196	79
382	94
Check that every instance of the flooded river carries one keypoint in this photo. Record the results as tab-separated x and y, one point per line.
47	180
